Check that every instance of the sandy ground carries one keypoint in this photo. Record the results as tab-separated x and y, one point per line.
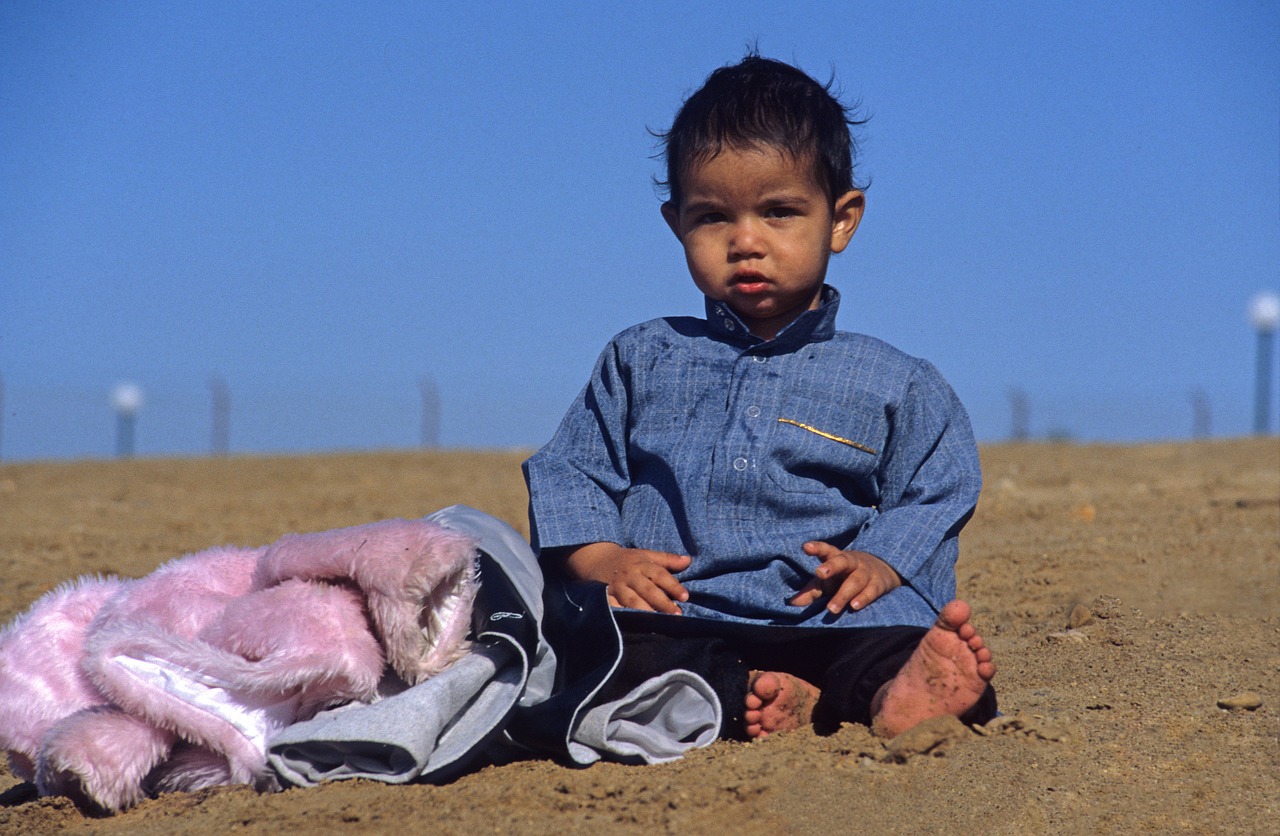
1171	551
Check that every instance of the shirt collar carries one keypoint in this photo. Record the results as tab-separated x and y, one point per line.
813	326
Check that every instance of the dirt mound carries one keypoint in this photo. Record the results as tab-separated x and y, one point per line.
1130	594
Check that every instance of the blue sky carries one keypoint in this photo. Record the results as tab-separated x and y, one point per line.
323	202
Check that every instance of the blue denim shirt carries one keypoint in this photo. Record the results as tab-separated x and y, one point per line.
695	437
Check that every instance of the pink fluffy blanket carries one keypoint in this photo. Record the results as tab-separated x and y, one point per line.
111	689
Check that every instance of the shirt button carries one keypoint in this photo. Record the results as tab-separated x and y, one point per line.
753	411
739	463
728	324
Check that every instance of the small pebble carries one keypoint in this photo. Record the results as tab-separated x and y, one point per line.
1079	617
1248	701
1084	513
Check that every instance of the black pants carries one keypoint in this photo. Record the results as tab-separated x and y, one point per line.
847	665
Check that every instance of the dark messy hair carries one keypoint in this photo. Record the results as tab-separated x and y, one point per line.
762	102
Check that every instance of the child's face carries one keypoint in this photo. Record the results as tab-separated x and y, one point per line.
757	232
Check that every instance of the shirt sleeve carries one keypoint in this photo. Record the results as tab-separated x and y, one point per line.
930	480
578	479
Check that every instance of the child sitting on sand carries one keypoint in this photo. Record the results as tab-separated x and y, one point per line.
770	502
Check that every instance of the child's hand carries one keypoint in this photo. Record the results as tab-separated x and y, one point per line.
853	579
636	578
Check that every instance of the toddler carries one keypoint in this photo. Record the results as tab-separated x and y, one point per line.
770	502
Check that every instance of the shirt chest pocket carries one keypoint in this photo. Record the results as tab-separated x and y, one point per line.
817	446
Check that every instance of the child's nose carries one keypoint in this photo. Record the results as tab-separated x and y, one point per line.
746	239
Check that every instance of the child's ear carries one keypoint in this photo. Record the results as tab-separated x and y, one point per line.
845	217
671	214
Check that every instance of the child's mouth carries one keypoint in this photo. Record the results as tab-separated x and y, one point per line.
749	283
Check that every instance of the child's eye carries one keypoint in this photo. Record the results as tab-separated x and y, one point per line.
711	218
782	212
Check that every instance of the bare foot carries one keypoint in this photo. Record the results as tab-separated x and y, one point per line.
947	674
778	702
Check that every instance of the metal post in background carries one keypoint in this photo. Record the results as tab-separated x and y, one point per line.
1201	415
1264	315
1020	408
126	398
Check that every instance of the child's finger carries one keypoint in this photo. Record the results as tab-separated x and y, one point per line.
650	587
628	597
673	562
669	587
646	597
853	587
808	593
821	550
657	599
835	563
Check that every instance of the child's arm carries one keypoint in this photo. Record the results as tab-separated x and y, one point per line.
635	578
928	482
577	483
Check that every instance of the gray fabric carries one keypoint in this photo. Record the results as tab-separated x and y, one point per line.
419	732
658	721
429	731
505	545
